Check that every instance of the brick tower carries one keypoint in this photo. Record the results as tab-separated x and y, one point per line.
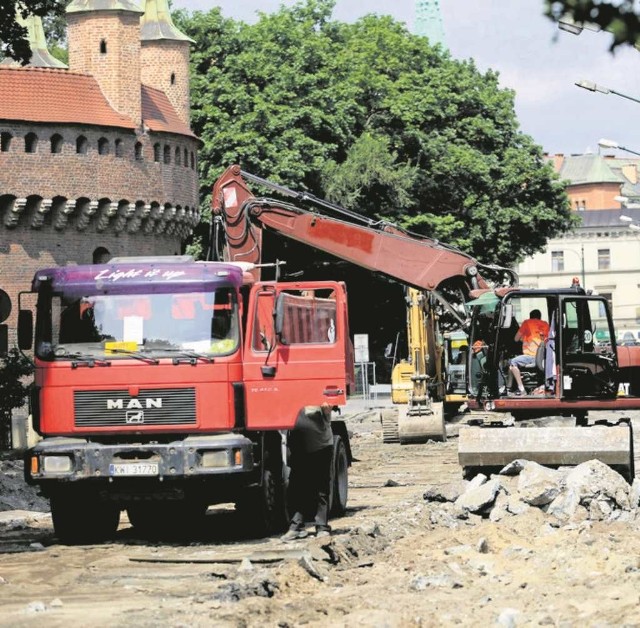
165	56
104	41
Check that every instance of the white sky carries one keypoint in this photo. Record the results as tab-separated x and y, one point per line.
532	57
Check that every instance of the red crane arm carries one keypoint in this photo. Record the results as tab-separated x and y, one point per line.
416	261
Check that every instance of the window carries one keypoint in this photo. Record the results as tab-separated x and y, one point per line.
557	261
167	154
177	158
103	46
103	146
156	152
5	141
138	151
101	255
193	161
30	143
604	259
602	312
186	158
56	143
173	78
118	148
81	145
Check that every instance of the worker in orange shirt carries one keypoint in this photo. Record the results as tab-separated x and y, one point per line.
533	332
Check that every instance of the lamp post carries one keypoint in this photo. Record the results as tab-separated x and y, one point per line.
581	255
634	226
594	87
613	144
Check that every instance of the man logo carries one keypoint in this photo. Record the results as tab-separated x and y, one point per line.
134	416
134	404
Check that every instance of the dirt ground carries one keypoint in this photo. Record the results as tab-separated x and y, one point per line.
393	560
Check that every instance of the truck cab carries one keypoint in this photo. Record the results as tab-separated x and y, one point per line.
165	385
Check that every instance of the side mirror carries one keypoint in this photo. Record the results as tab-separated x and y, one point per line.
25	330
507	315
278	318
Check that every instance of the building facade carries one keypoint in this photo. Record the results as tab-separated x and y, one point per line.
97	160
604	251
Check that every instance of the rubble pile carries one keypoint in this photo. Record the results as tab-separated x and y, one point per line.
590	491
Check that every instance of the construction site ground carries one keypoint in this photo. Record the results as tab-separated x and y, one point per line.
393	560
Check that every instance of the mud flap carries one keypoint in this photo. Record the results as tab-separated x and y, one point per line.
419	426
491	448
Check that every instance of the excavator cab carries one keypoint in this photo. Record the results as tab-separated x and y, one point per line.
567	363
568	375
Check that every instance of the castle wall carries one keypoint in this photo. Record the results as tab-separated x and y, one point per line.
120	173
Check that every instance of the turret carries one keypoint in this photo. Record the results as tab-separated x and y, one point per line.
104	41
165	56
40	55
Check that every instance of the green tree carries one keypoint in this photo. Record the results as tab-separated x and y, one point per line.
13	37
375	118
14	368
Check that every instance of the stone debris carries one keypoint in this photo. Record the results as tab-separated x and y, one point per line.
591	491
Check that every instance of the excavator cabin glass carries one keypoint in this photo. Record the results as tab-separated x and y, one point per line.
564	358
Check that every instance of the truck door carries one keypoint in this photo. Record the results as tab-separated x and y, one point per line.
296	351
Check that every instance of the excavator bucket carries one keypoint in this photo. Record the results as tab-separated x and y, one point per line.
487	449
407	425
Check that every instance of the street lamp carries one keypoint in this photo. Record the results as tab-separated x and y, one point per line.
594	87
630	223
569	25
613	144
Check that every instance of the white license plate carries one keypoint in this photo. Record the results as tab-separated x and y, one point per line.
134	468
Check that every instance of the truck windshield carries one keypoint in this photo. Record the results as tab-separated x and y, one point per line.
117	326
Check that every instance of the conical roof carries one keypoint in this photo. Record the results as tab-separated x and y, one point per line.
156	23
82	6
40	55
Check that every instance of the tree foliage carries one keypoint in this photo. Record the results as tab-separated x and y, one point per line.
373	117
14	368
621	18
13	36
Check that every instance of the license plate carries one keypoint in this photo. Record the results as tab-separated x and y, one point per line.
134	468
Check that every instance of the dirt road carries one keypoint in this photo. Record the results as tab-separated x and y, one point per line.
394	560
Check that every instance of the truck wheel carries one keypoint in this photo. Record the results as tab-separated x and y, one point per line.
79	518
262	509
339	479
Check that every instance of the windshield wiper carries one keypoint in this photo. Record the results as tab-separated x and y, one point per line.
191	356
136	354
82	359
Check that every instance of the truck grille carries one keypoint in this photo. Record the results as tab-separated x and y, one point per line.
154	406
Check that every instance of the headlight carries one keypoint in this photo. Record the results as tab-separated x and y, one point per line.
57	464
212	459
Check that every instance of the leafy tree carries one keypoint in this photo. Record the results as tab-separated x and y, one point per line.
621	18
375	118
14	367
13	37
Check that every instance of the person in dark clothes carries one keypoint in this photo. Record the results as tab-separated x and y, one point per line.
311	445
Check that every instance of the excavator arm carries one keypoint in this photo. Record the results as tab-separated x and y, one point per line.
379	246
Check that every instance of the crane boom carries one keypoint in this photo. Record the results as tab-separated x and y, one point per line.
379	246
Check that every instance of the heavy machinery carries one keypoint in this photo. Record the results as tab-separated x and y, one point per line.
442	276
164	385
580	377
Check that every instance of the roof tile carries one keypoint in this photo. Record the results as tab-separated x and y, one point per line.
159	115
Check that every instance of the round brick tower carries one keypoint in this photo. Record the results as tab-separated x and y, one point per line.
94	162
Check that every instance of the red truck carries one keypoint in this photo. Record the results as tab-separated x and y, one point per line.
165	385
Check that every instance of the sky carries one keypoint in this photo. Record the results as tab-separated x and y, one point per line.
532	56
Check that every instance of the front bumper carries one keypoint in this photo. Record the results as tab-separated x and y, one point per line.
190	457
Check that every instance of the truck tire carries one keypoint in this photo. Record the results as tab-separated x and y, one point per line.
339	479
80	518
262	508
